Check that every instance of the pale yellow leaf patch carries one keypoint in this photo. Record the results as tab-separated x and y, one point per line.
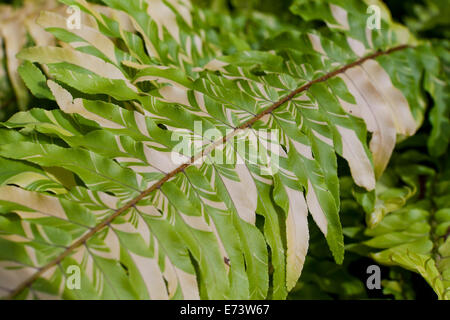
359	163
376	114
340	15
37	201
404	120
315	209
243	193
297	235
152	276
92	36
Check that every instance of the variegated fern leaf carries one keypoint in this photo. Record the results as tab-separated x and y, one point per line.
95	185
17	29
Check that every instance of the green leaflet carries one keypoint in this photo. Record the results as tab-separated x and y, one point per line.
413	230
35	80
153	227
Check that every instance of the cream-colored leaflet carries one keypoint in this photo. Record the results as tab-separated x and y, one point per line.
403	118
164	17
377	115
14	35
91	35
316	210
243	193
316	43
152	276
47	205
297	236
340	15
359	163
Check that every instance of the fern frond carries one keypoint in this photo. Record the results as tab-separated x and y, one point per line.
140	224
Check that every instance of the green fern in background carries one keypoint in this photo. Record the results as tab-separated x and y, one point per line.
409	222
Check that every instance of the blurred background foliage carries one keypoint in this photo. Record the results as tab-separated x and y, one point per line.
403	226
